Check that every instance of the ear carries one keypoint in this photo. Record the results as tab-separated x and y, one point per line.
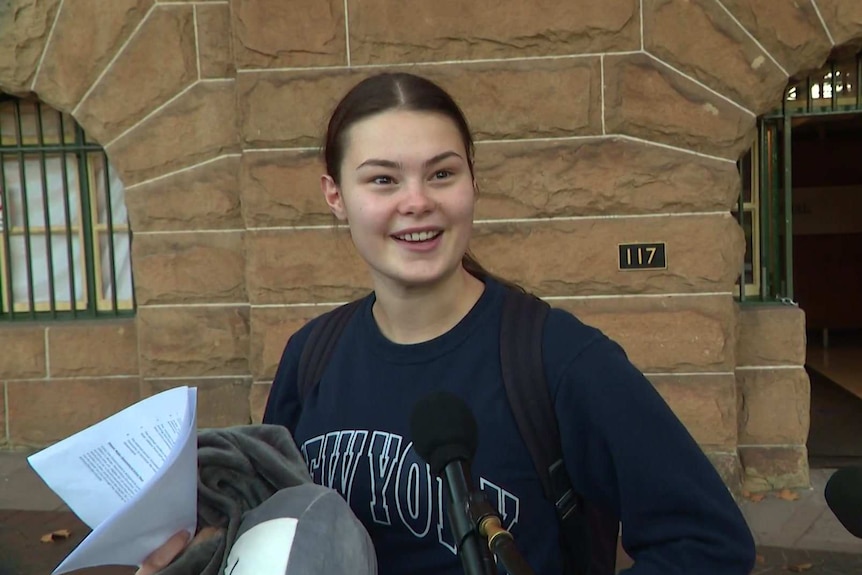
332	195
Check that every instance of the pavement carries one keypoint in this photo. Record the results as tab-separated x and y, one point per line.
795	531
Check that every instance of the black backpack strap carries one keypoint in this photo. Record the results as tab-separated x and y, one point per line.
521	334
320	344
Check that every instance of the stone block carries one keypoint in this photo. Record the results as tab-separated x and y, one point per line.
647	100
257	400
24	29
843	18
790	31
214	40
189	267
770	468
728	466
776	406
283	267
205	197
581	257
584	178
499	99
271	328
665	334
706	405
291	108
159	62
4	439
771	335
222	402
75	55
193	341
23	353
448	30
283	189
43	412
701	40
92	349
198	126
276	34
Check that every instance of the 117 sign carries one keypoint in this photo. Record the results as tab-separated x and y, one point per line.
643	256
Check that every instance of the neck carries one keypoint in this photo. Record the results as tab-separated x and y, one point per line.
418	314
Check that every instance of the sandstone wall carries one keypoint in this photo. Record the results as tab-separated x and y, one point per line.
599	122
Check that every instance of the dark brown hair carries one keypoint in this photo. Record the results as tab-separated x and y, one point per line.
390	91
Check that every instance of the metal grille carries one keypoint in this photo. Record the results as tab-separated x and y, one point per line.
65	242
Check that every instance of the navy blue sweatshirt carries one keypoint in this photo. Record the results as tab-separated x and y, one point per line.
623	447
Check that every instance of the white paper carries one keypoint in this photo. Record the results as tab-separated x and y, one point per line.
131	478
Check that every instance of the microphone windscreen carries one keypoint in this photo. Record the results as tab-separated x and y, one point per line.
844	496
443	429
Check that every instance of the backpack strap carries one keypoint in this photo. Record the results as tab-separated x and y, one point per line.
320	344
521	335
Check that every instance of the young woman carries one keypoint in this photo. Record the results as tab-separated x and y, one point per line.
399	172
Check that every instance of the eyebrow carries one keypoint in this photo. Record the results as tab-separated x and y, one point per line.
395	165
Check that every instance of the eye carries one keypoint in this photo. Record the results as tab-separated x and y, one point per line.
442	174
382	180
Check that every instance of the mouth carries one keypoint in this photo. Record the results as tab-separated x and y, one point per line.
418	237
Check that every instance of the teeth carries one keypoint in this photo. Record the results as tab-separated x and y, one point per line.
418	236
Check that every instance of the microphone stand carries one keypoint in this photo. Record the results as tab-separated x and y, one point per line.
500	541
476	558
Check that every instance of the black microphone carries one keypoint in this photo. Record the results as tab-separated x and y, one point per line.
844	496
445	435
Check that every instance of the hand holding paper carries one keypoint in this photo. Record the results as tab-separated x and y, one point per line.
132	478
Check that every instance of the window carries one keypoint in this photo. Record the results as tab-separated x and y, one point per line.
748	214
64	234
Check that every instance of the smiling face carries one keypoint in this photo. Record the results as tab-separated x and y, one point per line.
407	192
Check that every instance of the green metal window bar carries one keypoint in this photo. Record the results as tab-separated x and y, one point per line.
764	208
65	241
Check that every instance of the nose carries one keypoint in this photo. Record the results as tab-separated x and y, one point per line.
415	199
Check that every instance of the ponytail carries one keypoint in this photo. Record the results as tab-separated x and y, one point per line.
474	268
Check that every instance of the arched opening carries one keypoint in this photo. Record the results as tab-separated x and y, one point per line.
801	209
64	234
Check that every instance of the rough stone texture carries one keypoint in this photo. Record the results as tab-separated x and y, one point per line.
92	349
196	127
843	18
791	31
390	32
277	34
608	176
283	189
205	197
257	400
700	39
193	341
776	406
4	440
771	335
271	327
706	404
647	100
665	334
87	35
42	412
729	468
24	27
23	353
222	402
500	99
189	268
303	266
290	108
769	468
159	61
215	49
581	257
